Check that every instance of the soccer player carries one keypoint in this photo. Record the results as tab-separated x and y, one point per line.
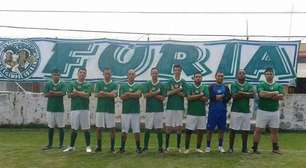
270	93
240	119
79	92
154	93
197	96
106	91
176	88
130	93
219	95
55	91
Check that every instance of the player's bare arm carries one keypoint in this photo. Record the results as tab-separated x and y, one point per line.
135	94
160	97
265	94
195	97
174	91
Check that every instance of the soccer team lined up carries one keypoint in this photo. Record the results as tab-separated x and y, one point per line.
167	121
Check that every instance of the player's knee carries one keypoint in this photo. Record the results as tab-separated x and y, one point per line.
188	131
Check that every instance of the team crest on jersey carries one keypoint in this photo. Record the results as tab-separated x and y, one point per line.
19	59
176	86
197	91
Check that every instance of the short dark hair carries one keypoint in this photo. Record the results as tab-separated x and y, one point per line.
154	69
55	71
197	72
82	69
219	72
269	70
106	69
177	66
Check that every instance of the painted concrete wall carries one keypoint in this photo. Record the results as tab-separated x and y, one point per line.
27	108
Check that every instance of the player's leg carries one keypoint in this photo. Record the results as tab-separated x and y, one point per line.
190	127
201	127
274	125
158	125
85	126
99	139
159	133
274	138
221	126
112	139
234	125
188	133
179	128
231	140
110	123
244	138
246	127
148	127
261	121
200	133
61	125
125	124
135	123
51	124
75	124
99	125
211	124
168	127
256	139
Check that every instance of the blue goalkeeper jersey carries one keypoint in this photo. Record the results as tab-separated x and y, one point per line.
217	107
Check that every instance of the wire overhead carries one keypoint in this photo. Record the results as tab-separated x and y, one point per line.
148	33
153	12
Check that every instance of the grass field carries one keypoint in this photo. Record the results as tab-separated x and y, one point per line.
22	148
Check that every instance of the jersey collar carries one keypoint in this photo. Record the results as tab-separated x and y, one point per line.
130	85
177	80
154	84
197	86
240	83
77	81
59	81
270	83
106	83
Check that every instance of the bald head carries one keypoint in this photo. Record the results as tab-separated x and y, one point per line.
131	75
241	75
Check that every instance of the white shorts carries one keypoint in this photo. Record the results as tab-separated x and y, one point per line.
80	118
105	120
195	122
55	119
240	121
130	121
264	118
173	118
154	120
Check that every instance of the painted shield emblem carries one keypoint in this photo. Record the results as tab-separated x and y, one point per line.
19	59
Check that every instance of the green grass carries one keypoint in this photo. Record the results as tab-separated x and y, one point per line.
22	148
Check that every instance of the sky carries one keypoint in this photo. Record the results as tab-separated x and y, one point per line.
263	24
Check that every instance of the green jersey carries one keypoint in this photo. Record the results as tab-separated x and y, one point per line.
55	103
268	104
106	104
130	105
152	103
176	102
241	105
197	107
77	102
